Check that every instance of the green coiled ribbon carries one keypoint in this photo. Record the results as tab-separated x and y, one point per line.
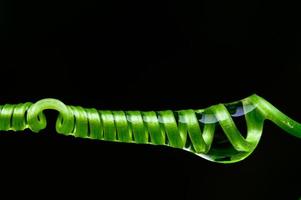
191	130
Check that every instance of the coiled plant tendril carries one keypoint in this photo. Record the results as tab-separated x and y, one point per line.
192	130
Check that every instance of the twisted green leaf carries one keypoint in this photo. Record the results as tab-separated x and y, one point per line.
191	130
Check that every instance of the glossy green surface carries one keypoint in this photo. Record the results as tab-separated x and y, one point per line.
191	130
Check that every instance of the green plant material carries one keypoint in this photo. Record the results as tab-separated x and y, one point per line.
191	130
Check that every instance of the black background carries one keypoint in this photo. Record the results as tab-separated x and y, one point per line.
148	55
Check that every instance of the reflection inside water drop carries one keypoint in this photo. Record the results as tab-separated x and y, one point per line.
236	109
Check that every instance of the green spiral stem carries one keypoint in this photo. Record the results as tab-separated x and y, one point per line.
193	130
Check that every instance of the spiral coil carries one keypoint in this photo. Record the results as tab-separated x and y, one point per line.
192	130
